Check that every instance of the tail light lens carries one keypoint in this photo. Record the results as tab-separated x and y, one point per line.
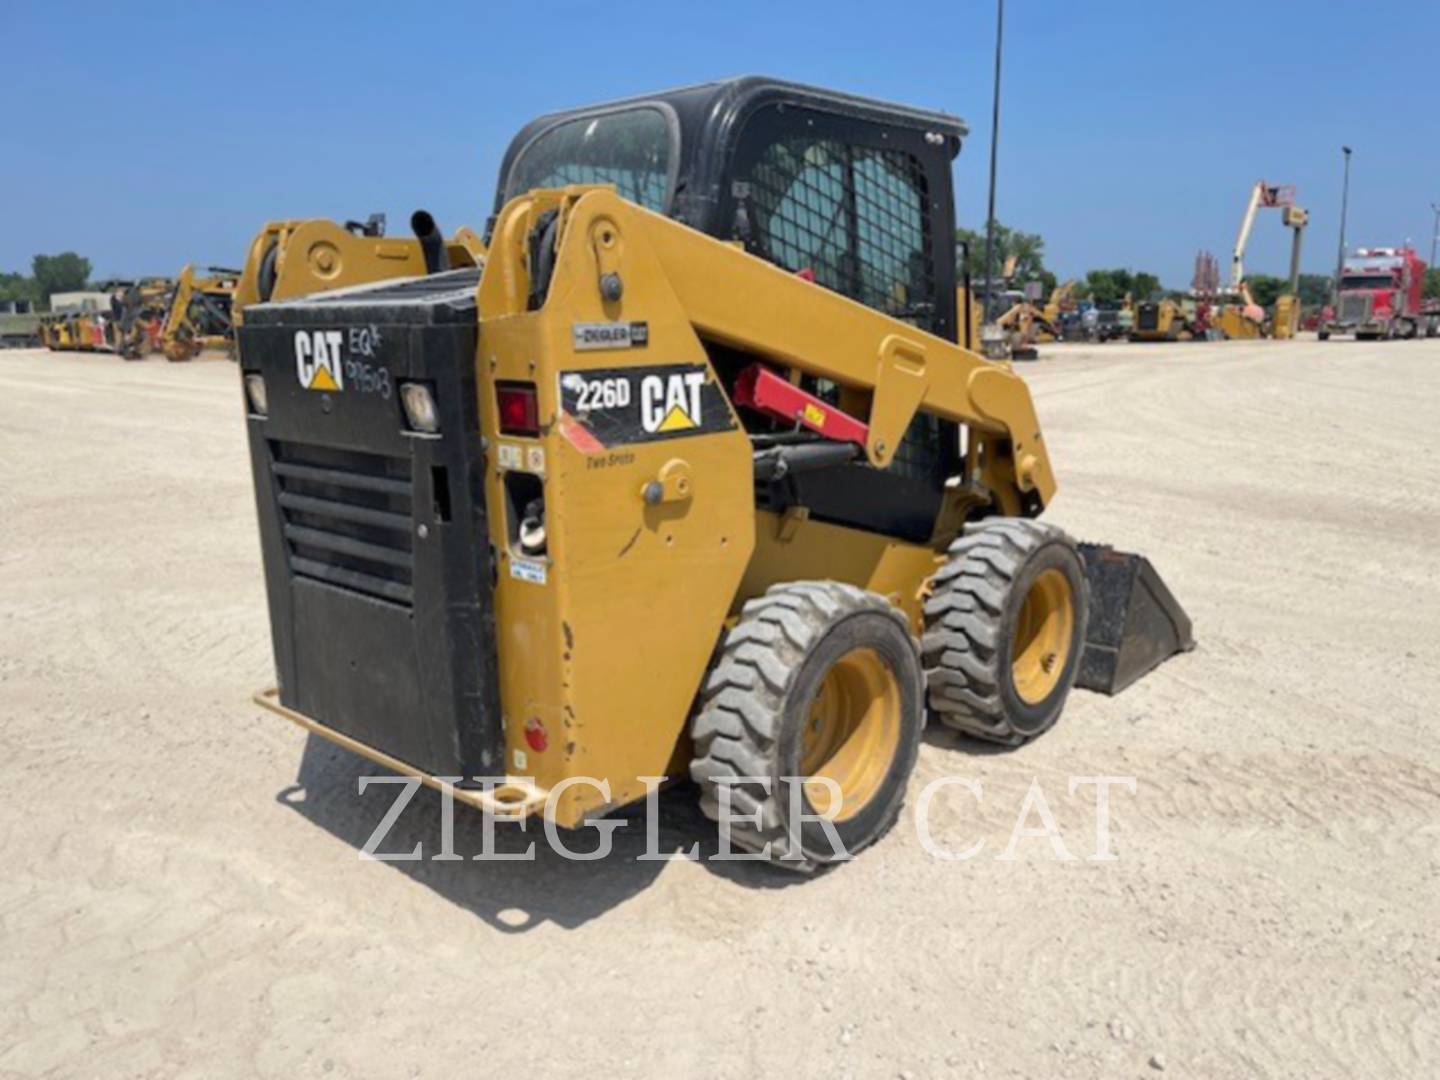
519	408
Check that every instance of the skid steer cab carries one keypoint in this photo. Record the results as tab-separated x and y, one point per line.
690	478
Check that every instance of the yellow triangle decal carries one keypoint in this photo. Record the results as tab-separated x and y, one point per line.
322	379
677	419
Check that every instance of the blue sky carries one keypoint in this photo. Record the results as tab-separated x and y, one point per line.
146	136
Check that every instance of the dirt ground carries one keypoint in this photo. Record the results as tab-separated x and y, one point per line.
182	892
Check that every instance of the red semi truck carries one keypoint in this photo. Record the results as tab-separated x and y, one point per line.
1380	296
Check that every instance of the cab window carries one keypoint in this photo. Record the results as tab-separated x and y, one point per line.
634	149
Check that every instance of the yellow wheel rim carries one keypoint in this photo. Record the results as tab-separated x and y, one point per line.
1042	637
851	734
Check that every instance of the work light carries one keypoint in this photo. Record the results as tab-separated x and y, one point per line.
420	411
255	391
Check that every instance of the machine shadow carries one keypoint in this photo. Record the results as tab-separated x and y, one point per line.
945	738
517	894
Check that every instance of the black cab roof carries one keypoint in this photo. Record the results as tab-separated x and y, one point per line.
707	118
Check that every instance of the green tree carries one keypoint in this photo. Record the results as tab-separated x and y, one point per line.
1432	283
1109	287
18	287
1265	288
1028	250
1143	285
1314	289
66	272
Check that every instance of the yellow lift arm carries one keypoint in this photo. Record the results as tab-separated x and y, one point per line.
744	302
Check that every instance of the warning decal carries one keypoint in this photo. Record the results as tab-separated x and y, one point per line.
607	407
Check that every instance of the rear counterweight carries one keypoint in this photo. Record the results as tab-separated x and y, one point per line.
373	532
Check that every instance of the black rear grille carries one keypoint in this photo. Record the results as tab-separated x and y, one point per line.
1148	317
346	518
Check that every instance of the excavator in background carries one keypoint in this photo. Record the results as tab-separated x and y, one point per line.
1024	327
1062	300
1240	317
682	481
1014	333
200	315
300	257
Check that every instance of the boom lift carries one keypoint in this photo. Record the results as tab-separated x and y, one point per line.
690	477
1246	319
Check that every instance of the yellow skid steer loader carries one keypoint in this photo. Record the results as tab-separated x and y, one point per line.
690	477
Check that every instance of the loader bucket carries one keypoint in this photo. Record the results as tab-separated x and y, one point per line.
1135	625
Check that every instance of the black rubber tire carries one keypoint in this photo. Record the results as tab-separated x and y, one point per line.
970	618
752	710
1323	335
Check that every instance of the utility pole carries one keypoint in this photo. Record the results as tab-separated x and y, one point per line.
994	145
1344	205
1435	234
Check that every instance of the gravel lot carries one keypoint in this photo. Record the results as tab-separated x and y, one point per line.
182	892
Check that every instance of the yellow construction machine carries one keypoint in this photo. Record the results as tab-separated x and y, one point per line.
297	258
1242	318
55	331
1024	326
692	479
143	310
1061	302
200	314
87	320
1160	319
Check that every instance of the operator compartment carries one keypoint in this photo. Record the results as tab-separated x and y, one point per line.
365	448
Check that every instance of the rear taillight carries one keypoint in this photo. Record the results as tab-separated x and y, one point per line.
519	408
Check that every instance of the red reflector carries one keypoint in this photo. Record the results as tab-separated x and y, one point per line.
535	735
519	408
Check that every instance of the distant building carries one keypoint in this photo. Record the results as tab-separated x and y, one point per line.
80	301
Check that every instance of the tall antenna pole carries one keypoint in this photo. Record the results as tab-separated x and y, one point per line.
994	146
1435	235
1344	205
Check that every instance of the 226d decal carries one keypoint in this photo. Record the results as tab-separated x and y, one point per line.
606	407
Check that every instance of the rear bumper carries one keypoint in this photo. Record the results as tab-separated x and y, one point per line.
511	797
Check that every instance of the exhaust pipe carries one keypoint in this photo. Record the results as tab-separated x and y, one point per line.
432	244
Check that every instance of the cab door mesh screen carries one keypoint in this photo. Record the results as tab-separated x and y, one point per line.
854	216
